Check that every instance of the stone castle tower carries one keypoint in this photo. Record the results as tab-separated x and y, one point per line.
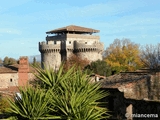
61	43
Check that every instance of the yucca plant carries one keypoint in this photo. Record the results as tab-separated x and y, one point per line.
49	78
74	96
32	105
66	95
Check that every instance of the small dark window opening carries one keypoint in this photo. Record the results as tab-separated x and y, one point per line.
69	42
55	42
85	42
11	80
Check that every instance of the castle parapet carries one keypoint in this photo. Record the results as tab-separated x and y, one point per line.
84	46
45	47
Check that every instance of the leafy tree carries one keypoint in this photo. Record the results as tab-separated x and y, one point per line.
151	56
9	61
6	61
99	67
66	95
12	61
75	60
123	55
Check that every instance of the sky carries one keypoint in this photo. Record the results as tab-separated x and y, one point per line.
23	23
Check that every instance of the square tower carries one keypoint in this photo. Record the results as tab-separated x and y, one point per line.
62	42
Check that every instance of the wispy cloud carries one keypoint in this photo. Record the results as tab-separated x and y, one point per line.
9	31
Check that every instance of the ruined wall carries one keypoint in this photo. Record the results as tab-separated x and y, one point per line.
134	86
146	87
117	104
141	90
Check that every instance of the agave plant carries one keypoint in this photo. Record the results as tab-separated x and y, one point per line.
49	79
66	95
74	96
33	104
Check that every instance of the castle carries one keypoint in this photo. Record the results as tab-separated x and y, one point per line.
62	42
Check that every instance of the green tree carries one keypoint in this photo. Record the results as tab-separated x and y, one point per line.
6	61
66	95
35	62
12	61
123	55
9	61
99	67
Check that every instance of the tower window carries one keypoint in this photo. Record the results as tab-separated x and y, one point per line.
69	42
85	42
11	80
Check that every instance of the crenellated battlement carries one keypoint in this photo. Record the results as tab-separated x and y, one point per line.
49	47
86	47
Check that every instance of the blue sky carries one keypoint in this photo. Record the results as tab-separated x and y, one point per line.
23	23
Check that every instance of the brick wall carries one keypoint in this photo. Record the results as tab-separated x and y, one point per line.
23	71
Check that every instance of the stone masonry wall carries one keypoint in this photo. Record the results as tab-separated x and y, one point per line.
135	86
8	79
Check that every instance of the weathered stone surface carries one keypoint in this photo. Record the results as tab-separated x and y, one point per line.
8	79
135	86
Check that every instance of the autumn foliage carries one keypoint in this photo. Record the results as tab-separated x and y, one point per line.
123	55
75	60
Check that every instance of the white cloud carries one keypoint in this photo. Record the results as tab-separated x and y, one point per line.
10	31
